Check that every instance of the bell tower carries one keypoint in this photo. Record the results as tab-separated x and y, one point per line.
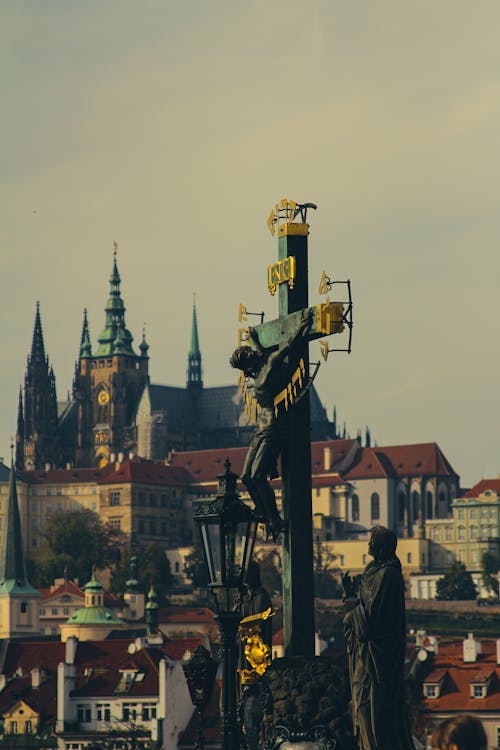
108	383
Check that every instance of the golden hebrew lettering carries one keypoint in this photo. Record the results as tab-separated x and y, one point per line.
284	210
282	396
297	377
323	284
329	317
242	313
242	336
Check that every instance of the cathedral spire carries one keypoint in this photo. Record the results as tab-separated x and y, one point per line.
40	405
115	331
194	369
37	355
85	345
20	432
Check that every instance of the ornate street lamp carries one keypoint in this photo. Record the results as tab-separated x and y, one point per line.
200	670
227	530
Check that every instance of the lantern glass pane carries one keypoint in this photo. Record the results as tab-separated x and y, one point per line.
236	537
205	540
215	546
248	548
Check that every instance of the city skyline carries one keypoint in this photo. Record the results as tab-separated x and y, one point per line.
174	130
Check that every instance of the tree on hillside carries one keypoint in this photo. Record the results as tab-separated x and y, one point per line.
456	584
153	567
326	573
75	541
194	565
490	568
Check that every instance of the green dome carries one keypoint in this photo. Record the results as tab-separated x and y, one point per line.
94	616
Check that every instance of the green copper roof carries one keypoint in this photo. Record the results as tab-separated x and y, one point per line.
152	599
13	579
94	616
115	337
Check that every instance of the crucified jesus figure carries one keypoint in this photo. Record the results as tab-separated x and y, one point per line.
270	373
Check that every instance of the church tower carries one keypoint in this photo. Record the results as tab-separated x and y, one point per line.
194	379
108	383
37	431
19	606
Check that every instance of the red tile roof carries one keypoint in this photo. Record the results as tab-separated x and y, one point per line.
130	470
43	700
63	476
109	654
400	461
70	587
485	484
146	472
455	691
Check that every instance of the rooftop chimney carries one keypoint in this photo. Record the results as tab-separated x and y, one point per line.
471	649
36	677
327	458
71	645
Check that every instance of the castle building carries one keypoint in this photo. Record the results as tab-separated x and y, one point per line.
114	408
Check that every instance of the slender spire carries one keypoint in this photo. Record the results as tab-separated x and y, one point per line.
40	404
20	432
37	355
115	320
12	566
85	345
194	369
144	346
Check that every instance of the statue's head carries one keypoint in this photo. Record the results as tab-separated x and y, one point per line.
247	359
382	544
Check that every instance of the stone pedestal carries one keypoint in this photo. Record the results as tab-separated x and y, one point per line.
304	705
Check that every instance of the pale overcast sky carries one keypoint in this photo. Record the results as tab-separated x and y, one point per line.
173	127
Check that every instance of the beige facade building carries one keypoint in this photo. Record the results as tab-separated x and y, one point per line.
148	501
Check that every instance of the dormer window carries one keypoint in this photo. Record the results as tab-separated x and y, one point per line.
479	684
433	685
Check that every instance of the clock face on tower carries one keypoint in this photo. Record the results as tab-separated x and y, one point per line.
103	398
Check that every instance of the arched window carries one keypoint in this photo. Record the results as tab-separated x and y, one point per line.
401	506
415	501
375	506
355	508
429	504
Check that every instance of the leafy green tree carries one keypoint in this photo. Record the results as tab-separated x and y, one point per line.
491	566
76	540
153	567
456	584
326	583
194	566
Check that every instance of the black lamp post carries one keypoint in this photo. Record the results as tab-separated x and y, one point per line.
200	670
227	529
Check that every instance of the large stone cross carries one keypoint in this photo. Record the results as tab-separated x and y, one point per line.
289	275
